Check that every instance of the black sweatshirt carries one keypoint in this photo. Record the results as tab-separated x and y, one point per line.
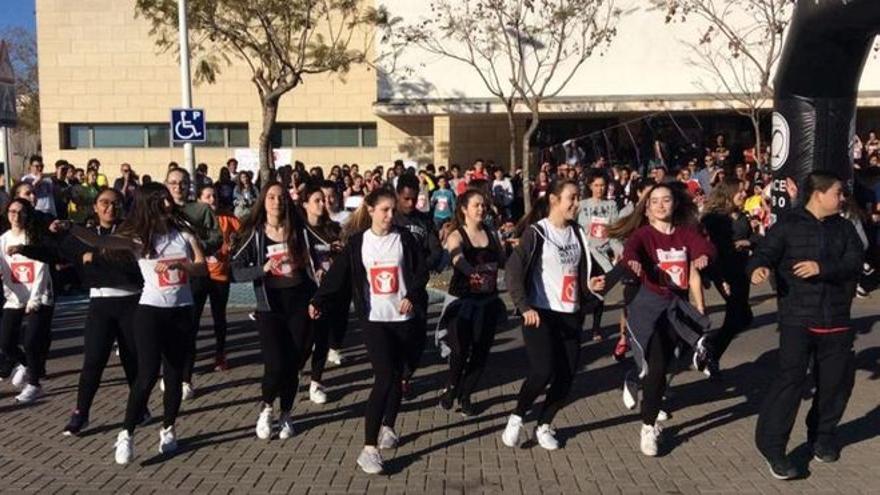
421	226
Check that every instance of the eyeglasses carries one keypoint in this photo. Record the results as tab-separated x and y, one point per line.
108	202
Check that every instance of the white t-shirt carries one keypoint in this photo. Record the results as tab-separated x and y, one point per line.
341	217
557	288
383	262
24	279
169	289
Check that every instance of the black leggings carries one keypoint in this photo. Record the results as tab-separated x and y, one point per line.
737	316
598	311
160	337
110	319
328	330
388	345
659	355
553	349
416	347
204	288
286	341
470	351
28	346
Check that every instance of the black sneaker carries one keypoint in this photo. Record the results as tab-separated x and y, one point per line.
447	400
77	423
826	451
467	409
781	467
406	390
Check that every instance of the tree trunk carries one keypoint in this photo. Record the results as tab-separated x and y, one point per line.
270	114
526	147
511	127
756	125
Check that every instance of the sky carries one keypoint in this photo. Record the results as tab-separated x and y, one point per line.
17	13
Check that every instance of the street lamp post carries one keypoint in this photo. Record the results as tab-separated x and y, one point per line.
185	81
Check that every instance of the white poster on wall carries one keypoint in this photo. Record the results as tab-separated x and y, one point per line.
249	160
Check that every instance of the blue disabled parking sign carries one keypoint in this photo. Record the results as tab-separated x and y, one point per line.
188	125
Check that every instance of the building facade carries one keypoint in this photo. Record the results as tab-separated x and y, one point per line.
106	92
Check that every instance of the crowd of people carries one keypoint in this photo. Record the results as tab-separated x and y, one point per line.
309	242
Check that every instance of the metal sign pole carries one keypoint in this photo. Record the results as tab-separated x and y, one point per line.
185	82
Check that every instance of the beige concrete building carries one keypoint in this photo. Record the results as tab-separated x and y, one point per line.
106	92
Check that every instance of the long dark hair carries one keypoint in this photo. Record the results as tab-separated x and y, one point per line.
290	220
684	212
153	214
326	228
360	220
720	200
32	231
458	219
541	208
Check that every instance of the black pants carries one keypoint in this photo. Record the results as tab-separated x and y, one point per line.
416	347
834	374
598	311
204	288
470	347
737	316
329	332
553	349
388	346
110	319
29	345
160	338
659	355
286	341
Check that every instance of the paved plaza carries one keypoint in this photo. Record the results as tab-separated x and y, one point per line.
708	441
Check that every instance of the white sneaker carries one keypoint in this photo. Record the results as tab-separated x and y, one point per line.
167	440
370	460
317	394
387	438
264	424
630	393
650	436
29	394
514	432
124	448
187	391
162	384
286	426
663	415
19	377
335	357
546	437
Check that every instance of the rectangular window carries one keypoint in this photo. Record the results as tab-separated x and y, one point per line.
369	138
77	136
158	136
238	136
118	136
321	135
216	136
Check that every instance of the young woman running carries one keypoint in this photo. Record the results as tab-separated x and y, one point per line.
27	287
597	214
473	318
217	283
553	281
665	250
323	238
114	289
382	265
168	254
272	254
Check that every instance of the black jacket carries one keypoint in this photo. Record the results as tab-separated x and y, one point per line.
421	226
347	274
526	258
822	301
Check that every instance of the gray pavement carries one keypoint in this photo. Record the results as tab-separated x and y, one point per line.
708	445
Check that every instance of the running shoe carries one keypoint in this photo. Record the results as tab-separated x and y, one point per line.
650	438
188	392
466	407
76	424
826	451
861	293
701	356
20	376
167	440
663	416
781	467
370	461
335	356
597	336
124	448
264	424
447	400
620	349
388	439
29	394
514	433
317	393
546	437
286	422
220	363
630	393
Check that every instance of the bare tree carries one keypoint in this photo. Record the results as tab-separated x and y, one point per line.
280	41
738	47
22	44
523	51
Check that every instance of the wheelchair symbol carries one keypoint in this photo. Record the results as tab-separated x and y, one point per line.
185	130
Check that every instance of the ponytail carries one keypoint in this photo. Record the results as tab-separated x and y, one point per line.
541	207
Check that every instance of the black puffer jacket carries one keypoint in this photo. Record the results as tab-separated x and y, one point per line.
822	301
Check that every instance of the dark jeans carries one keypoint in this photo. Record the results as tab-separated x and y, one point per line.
553	349
110	319
160	338
834	375
29	345
470	351
388	346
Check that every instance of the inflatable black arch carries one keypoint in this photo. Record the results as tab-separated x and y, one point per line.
816	88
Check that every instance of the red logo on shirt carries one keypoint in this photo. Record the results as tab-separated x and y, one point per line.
599	228
279	252
674	263
485	277
172	277
569	289
22	272
384	280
